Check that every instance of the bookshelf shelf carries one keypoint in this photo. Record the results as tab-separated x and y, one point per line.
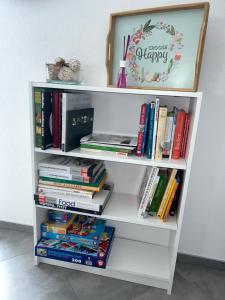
132	261
144	250
131	159
123	208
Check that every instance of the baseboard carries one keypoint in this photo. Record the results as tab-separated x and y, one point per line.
201	261
15	226
181	257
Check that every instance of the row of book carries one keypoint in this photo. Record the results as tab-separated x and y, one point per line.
71	183
75	238
117	145
159	192
162	133
61	118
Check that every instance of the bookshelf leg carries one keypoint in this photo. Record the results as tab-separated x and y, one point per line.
36	261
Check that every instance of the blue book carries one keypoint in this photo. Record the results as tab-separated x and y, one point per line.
151	129
145	130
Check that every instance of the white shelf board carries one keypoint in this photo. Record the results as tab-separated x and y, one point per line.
105	89
130	260
123	208
131	159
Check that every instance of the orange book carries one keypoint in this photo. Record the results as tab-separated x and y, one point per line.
178	135
170	201
168	198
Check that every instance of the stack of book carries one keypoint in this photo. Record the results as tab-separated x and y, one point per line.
162	133
109	144
73	183
159	192
61	118
75	238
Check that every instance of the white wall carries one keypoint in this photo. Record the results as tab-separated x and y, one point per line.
35	32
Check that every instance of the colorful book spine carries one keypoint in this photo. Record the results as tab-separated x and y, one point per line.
168	135
161	187
173	186
150	196
160	132
37	108
141	127
151	129
65	192
156	116
185	137
166	213
143	148
175	110
46	111
166	194
56	116
178	135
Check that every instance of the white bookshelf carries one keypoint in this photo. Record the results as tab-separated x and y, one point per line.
144	250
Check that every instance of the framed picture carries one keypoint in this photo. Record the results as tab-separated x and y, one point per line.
165	49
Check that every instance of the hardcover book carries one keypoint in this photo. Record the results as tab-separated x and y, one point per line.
37	108
46	121
160	132
151	129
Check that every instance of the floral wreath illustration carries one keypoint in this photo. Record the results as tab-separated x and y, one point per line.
175	46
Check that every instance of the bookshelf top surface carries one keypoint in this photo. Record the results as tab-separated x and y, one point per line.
105	89
130	159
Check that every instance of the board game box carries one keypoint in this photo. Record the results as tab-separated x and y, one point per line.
85	231
70	252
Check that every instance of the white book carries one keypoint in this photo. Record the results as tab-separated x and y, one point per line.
146	187
150	190
155	126
65	191
71	102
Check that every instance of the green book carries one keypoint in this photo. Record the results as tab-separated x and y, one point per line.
94	184
104	148
160	190
37	108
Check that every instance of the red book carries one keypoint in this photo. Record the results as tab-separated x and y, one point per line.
185	137
141	129
56	120
178	135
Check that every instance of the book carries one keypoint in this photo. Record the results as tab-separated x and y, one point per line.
70	102
56	120
176	199
151	129
145	189
46	126
141	129
166	213
37	109
170	193
145	130
73	203
167	191
106	152
178	135
175	110
74	177
75	253
160	132
70	165
150	196
168	135
185	135
110	140
160	190
155	127
79	123
105	147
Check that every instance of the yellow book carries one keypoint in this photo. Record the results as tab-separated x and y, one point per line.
160	132
165	196
168	198
170	202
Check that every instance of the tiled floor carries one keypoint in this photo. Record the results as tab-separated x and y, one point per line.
20	280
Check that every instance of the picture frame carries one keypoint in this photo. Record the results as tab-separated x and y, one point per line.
166	46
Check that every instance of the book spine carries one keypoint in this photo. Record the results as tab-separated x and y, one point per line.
153	208
113	153
38	117
155	126
60	118
145	130
151	129
160	132
145	198
173	185
175	110
185	137
63	139
46	108
165	196
150	197
141	126
65	192
104	148
168	135
42	121
55	119
178	135
65	176
165	216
